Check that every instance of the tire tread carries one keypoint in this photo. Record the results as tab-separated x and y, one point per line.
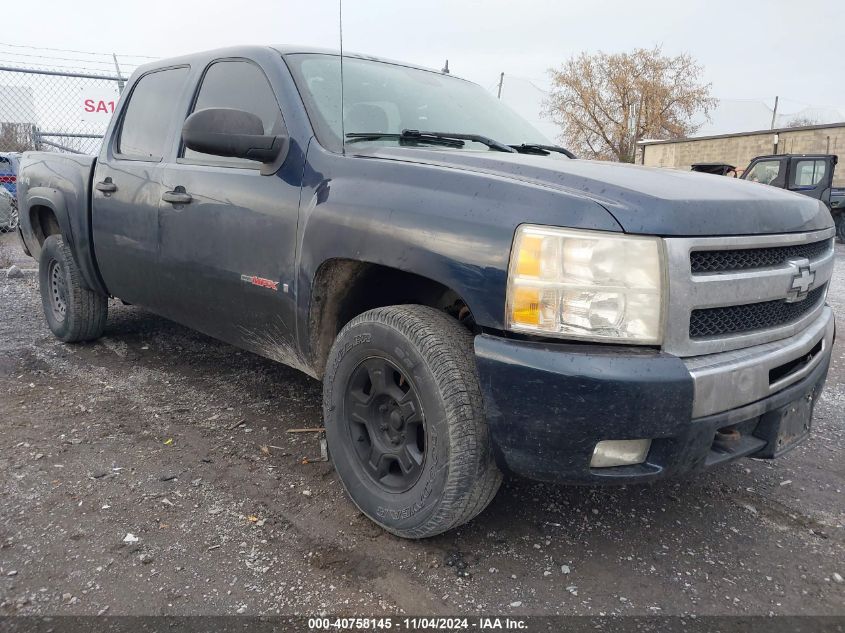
87	311
447	348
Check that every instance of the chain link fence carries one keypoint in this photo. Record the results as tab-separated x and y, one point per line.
52	110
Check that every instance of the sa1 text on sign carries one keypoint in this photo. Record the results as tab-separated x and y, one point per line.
96	105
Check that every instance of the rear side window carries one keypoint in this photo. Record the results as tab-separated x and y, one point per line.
240	85
146	122
808	173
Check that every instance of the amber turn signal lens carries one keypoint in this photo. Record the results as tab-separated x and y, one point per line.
526	306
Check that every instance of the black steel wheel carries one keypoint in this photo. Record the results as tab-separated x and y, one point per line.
57	291
386	424
405	422
73	312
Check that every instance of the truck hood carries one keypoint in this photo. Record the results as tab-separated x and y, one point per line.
643	200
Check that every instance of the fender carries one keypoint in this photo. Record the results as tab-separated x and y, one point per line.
452	226
77	238
54	200
61	184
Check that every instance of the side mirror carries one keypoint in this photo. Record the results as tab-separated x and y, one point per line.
231	132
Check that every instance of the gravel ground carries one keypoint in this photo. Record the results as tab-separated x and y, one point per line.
151	473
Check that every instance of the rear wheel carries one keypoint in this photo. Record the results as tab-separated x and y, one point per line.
73	312
404	421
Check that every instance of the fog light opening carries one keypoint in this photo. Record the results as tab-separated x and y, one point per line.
609	453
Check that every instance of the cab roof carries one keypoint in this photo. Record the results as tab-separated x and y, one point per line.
203	57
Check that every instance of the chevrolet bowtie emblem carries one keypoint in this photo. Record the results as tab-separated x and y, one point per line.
803	277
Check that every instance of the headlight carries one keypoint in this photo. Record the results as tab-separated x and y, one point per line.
586	284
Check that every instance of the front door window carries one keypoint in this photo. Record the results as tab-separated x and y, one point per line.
765	171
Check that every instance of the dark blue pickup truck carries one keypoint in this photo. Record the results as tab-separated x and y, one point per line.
475	301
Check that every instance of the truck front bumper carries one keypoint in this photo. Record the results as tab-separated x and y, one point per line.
549	405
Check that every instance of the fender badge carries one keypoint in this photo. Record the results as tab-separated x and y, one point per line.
260	282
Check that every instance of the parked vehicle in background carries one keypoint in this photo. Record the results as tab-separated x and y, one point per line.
9	163
8	211
9	216
474	301
718	169
807	174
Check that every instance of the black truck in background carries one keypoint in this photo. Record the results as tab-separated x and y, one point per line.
475	302
808	174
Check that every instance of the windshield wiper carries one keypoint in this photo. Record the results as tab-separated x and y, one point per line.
543	150
407	137
414	137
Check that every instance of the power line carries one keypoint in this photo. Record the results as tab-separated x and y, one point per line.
763	100
68	50
66	59
530	82
19	63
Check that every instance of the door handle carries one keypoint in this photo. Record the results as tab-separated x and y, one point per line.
177	196
106	186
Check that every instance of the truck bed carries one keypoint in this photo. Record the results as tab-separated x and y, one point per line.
60	183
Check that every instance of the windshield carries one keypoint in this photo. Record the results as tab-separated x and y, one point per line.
389	98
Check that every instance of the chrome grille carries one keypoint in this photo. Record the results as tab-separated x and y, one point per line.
743	259
709	322
749	298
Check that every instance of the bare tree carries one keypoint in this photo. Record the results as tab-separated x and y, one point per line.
605	103
801	121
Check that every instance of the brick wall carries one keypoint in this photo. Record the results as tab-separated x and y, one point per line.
739	149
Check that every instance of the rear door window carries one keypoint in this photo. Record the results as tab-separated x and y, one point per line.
807	173
149	113
241	85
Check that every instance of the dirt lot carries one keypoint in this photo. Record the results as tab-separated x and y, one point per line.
155	432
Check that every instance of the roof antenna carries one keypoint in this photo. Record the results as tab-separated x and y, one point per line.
445	69
342	116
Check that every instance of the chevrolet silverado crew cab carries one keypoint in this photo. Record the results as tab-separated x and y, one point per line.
475	301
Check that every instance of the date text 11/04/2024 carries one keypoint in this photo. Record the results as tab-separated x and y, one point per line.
417	624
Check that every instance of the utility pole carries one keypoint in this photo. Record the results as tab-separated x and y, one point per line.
776	139
774	114
119	76
501	81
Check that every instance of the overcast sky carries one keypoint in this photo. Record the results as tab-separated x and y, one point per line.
750	50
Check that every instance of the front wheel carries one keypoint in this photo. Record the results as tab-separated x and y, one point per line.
404	421
73	312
